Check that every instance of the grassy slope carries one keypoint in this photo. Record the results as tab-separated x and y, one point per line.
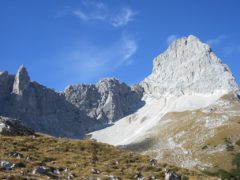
80	157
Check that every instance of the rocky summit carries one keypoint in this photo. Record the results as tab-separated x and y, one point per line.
188	66
186	112
107	101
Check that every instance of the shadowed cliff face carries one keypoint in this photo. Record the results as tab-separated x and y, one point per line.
6	82
80	109
40	108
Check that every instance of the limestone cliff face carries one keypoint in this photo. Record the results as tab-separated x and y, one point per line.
188	66
75	112
39	107
21	82
107	101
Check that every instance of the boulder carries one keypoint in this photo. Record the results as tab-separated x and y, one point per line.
6	165
41	170
171	175
15	155
13	127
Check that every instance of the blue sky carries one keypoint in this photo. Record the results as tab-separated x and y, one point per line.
65	42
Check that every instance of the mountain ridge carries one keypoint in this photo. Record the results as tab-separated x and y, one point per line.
109	100
171	88
186	78
85	107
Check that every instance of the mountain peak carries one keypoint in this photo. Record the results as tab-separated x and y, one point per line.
185	40
188	66
22	68
190	43
21	81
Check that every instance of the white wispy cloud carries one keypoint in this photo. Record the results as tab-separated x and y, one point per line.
94	10
99	11
95	4
128	47
231	49
63	11
89	16
123	17
91	61
171	38
81	15
216	41
227	48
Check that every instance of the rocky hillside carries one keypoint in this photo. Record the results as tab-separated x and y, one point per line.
43	157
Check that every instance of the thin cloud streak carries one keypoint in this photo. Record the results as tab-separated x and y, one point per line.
90	61
99	11
216	41
86	17
95	4
130	48
170	39
125	16
81	15
229	50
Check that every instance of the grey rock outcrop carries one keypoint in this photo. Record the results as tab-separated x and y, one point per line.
188	66
12	127
80	109
21	82
107	101
40	108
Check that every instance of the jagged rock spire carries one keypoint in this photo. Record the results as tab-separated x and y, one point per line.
21	81
188	66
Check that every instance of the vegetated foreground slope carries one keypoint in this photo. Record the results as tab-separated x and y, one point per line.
78	160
